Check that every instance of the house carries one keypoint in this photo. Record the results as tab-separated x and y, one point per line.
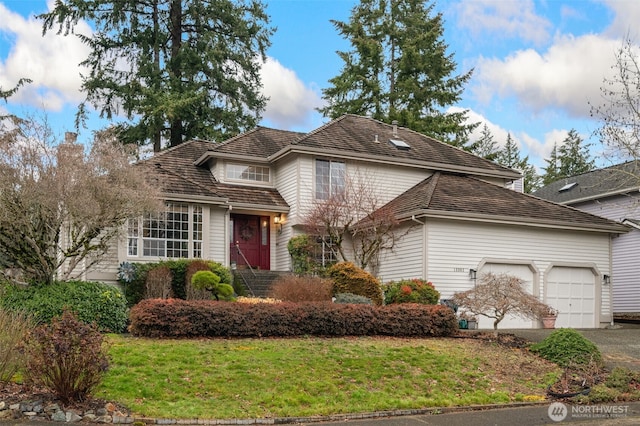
240	201
611	192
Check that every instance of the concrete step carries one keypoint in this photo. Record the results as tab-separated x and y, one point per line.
259	282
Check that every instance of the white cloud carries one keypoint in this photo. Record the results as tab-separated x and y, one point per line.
515	19
291	103
536	149
567	76
50	61
626	17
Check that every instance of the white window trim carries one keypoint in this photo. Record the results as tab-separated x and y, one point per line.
248	181
190	247
315	177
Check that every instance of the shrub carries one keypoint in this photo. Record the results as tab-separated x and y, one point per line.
158	283
350	298
133	276
415	290
13	329
91	301
66	356
207	280
624	380
348	278
179	318
301	249
291	288
192	293
566	347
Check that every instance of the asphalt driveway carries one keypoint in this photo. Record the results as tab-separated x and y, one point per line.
620	344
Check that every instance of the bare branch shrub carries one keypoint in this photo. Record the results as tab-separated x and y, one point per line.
13	329
60	208
497	296
66	356
290	288
158	283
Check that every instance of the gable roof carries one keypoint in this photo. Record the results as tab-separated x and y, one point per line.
601	183
360	138
175	171
458	196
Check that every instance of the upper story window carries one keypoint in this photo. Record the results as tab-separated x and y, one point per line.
174	233
330	178
251	173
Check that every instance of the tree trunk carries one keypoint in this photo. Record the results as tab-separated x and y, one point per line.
176	68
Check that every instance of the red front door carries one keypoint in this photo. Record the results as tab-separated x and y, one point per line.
251	236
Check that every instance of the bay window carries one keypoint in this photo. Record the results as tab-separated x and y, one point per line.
173	233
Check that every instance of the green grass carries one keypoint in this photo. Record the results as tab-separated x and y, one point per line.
252	378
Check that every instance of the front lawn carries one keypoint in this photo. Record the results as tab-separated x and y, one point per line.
258	378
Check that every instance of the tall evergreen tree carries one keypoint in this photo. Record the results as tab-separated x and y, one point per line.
177	69
398	69
552	171
574	156
509	156
485	146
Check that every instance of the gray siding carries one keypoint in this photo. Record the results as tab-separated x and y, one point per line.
626	249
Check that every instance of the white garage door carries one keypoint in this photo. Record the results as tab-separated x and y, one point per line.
520	271
573	292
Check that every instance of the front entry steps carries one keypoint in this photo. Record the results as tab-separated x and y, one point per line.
257	283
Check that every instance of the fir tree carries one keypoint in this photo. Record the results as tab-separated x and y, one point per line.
176	69
399	69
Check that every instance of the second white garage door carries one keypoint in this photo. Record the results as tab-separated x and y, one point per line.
573	292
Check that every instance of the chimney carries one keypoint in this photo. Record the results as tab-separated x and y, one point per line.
395	128
70	137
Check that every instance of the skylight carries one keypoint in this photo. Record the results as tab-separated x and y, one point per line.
400	144
567	186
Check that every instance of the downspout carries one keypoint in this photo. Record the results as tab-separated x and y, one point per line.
611	237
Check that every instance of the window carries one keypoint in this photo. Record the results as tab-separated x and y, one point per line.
325	251
174	233
252	173
330	178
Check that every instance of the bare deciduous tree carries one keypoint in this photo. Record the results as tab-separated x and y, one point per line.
619	109
498	296
355	218
61	208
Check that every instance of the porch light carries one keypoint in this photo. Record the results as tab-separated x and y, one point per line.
472	274
277	220
606	279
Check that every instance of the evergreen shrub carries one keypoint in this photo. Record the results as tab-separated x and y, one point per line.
415	290
96	302
348	278
566	346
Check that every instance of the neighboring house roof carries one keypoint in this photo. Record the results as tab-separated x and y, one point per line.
601	183
452	195
357	137
175	172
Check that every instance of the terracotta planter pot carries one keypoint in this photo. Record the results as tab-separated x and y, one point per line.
549	322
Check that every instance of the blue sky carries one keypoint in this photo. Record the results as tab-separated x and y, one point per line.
537	64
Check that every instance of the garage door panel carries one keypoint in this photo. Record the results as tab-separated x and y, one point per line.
521	271
572	291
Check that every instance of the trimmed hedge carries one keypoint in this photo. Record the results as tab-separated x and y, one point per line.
96	302
180	318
